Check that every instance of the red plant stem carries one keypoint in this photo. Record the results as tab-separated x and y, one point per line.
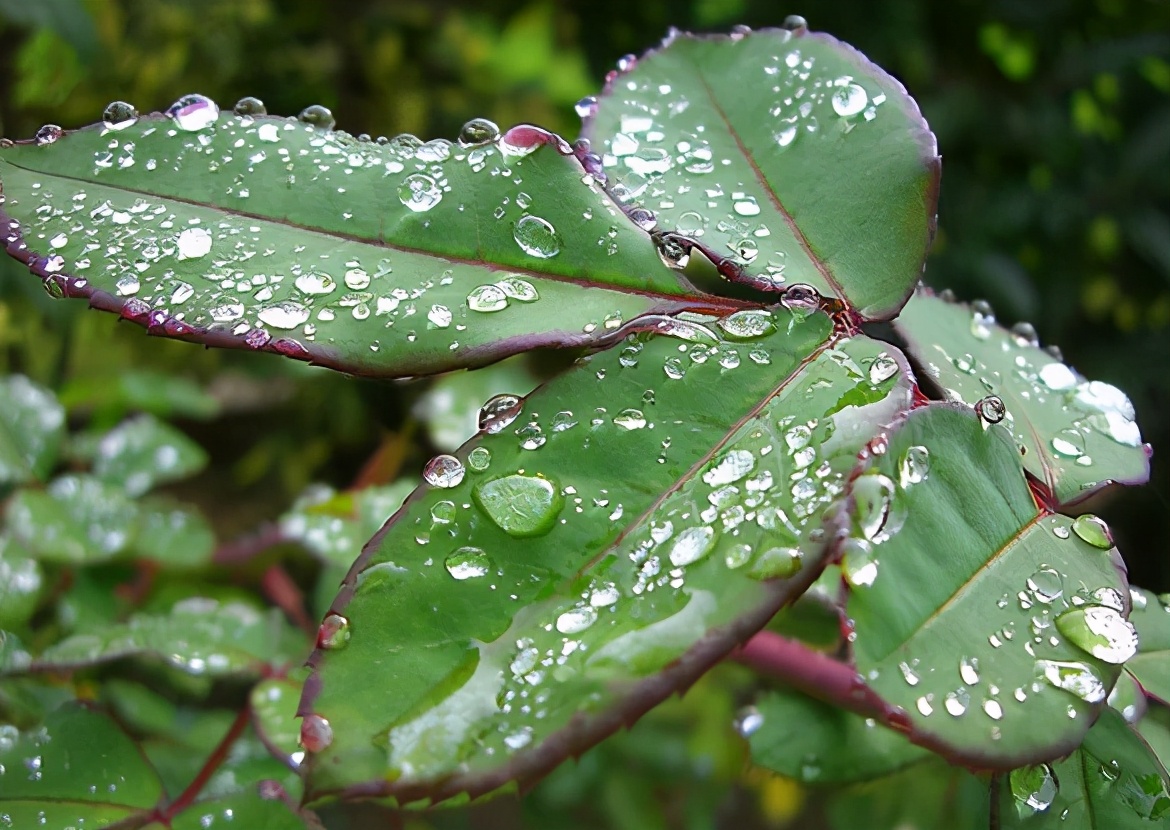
286	595
188	796
818	676
243	549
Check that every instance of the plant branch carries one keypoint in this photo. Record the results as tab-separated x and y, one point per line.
217	757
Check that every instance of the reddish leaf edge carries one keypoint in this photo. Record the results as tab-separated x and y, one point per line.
728	268
60	284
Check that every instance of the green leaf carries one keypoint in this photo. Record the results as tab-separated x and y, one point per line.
974	611
817	743
78	769
333	526
245	809
266	233
32	424
143	452
21	581
199	636
508	651
77	519
450	408
1113	781
139	390
925	796
1073	434
172	535
788	158
1151	666
274	715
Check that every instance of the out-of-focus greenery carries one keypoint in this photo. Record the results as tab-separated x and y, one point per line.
1053	118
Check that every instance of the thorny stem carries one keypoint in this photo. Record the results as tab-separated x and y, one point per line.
818	676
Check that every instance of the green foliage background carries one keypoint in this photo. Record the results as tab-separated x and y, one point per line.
1053	117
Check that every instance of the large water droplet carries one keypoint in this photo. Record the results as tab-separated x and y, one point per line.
1033	789
478	131
691	545
468	563
419	192
849	99
48	134
914	466
1076	678
192	113
776	563
1101	631
1093	530
284	315
443	471
873	496
119	115
576	620
316	733
520	505
731	468
487	298
518	289
249	107
318	116
991	409
630	419
194	243
802	300
537	237
315	283
479	459
748	324
499	412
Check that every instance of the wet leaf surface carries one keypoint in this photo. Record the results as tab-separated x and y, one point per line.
32	424
21	583
1113	781
996	627
1151	665
1076	435
743	143
143	452
389	259
527	603
333	526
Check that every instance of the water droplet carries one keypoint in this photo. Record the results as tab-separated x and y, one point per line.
499	412
419	192
194	243
1033	789
127	285
795	23
586	107
1076	678
748	324
604	596
118	115
315	283
478	131
518	289
439	316
745	205
873	496
776	563
316	733
183	292
479	459
691	545
48	134
914	466
956	702
1047	585
249	106
487	298
563	420
1025	334
317	116
991	409
537	237
576	620
802	300
748	721
849	100
1058	377
468	563
1093	530
520	505
283	315
192	113
333	632
731	468
1068	443
443	471
630	419
882	369
1101	631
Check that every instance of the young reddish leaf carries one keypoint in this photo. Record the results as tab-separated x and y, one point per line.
788	158
389	259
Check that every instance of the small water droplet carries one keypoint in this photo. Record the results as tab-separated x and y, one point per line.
487	298
1047	585
315	283
316	733
586	107
745	205
520	505
48	134
479	459
991	410
748	324
499	412
576	620
748	721
1101	631
795	23
518	289
630	419
333	632
914	466
800	299
873	496
1033	789
1092	529
776	563
443	471
468	563
192	113
537	237
318	116
419	192
118	115
478	131
849	100
283	315
249	107
691	545
733	466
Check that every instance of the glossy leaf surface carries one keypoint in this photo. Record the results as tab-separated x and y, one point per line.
199	636
788	156
1113	781
1151	665
974	611
817	743
507	651
77	769
396	259
1076	435
32	424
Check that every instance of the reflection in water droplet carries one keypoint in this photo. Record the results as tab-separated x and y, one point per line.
1033	789
419	192
537	237
630	419
802	300
991	409
318	116
748	324
518	289
479	459
882	369
333	632
48	134
748	721
849	99
873	496
520	505
1092	529
487	298
1047	585
192	113
478	131
249	106
499	412
1101	631
443	471
1076	678
914	466
119	115
467	563
283	315
691	545
316	733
